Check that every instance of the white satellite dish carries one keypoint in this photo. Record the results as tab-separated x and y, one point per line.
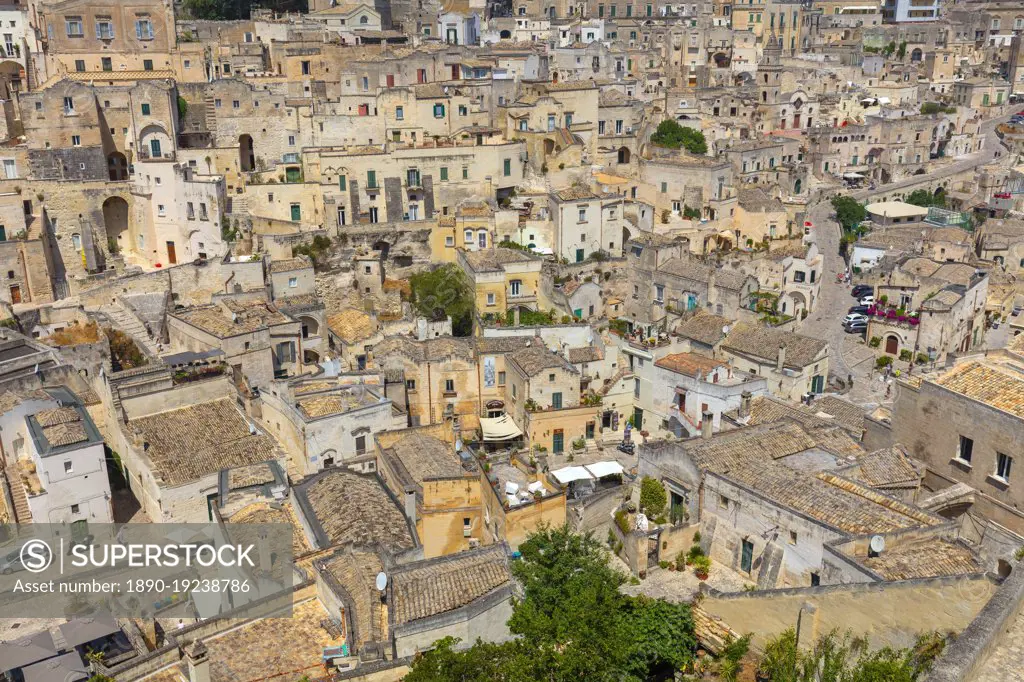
382	581
877	544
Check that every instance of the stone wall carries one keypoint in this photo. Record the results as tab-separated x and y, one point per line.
962	660
887	614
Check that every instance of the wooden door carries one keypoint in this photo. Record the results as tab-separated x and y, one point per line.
891	345
172	257
15	294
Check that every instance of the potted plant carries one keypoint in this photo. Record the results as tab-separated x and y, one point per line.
701	567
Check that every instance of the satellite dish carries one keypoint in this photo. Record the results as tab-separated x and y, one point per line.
877	544
382	581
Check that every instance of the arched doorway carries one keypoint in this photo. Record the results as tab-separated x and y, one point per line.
892	344
10	78
246	155
1004	568
505	35
115	221
624	155
549	147
310	327
916	55
797	186
117	166
310	357
721	60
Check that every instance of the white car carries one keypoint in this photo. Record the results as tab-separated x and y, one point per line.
867	300
855	317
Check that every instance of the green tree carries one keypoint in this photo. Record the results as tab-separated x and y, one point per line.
448	290
835	658
573	624
674	136
922	197
901	52
652	497
849	212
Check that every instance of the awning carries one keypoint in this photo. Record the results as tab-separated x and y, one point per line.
499	428
853	176
602	469
570	474
84	630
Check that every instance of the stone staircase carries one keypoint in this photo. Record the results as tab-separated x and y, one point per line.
22	513
126	321
211	113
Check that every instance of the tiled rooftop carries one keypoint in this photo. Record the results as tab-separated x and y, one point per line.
276	513
689	364
999	385
424	457
436	586
354	571
494	259
763	343
218	321
927	558
352	325
353	508
337	402
287	265
536	358
191	442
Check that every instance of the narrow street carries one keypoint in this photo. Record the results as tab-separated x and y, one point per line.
849	354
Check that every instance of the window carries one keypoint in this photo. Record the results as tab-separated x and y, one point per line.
636	388
76	509
104	29
371	179
449	385
68	466
10	171
235	104
792	537
76	140
160	210
490	299
465	172
190	211
73	26
145	109
69	105
342	183
515	286
296	210
293	282
468	236
583	215
154	148
79	65
305	68
107	63
76	242
202	211
1003	464
144	29
360	445
659	293
410	384
449	241
216	103
501	378
508	167
438	111
965	449
399	113
444	174
556	400
664	187
291	140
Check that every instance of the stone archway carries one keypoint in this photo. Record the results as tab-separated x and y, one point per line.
505	35
549	147
115	221
310	326
246	155
10	78
623	154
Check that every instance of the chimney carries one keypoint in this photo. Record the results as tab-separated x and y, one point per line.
410	505
744	405
781	362
707	425
198	662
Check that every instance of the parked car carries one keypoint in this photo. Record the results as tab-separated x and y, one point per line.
867	300
856	327
862	290
854	317
860	309
11	563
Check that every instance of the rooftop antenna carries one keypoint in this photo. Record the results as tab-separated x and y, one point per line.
876	546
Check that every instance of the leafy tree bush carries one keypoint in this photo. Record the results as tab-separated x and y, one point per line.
883	361
849	212
691	213
445	289
652	497
674	136
124	354
835	658
572	623
318	250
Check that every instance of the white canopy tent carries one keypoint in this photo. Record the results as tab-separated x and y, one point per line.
570	474
499	428
601	469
